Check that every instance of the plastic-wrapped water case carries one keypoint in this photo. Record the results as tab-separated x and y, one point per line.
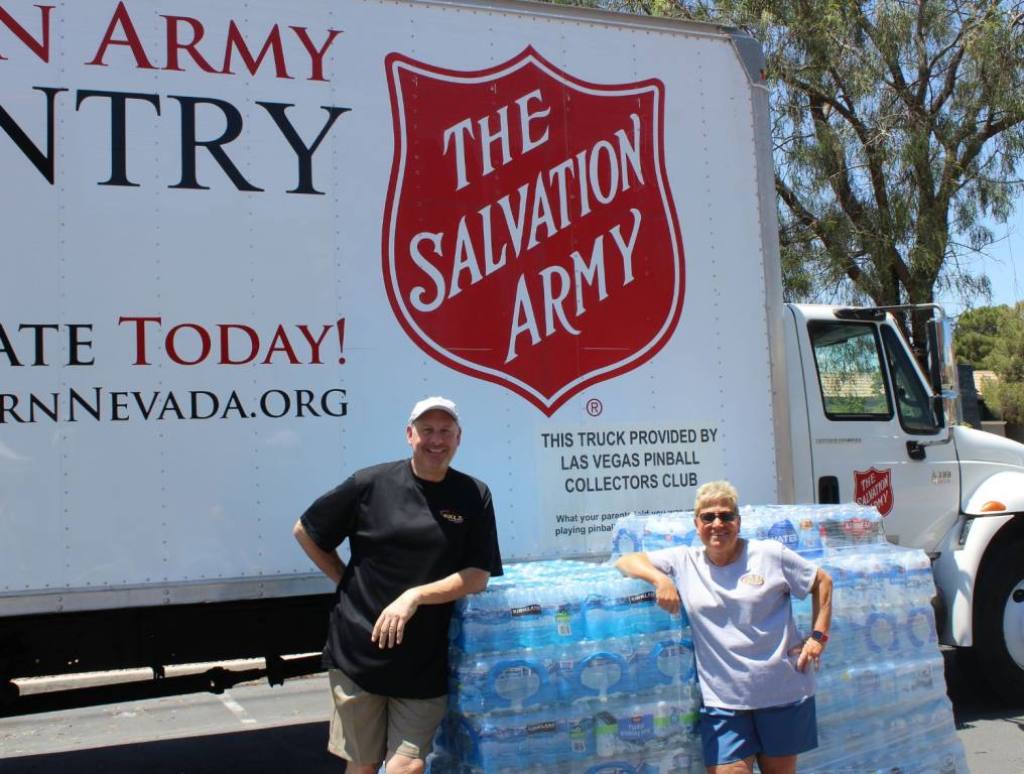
810	530
567	667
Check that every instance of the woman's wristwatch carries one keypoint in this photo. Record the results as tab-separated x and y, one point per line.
819	636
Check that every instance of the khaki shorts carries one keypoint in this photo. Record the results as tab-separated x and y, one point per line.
367	728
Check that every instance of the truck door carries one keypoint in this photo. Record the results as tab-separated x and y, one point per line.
868	412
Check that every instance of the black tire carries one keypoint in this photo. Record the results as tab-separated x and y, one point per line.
999	623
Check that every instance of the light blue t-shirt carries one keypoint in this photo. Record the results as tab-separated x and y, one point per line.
743	627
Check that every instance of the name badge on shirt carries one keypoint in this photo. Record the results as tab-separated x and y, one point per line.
452	516
752	579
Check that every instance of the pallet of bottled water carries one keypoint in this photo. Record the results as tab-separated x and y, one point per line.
568	667
881	691
881	695
808	529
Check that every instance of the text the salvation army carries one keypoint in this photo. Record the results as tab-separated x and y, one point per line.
496	235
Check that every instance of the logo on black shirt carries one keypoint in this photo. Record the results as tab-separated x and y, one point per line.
452	516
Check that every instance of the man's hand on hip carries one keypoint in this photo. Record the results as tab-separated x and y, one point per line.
390	626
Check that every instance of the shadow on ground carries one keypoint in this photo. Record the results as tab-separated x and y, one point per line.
280	750
972	697
300	748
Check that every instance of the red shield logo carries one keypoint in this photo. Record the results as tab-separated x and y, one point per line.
530	237
873	487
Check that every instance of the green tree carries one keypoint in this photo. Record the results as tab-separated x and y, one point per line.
1006	358
898	127
977	332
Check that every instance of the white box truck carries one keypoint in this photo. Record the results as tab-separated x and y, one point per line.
241	240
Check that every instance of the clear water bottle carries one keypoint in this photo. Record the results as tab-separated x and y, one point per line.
810	544
579	731
545	731
470	689
921	637
663	660
606	728
517	682
530	625
601	673
502	744
598	615
627	536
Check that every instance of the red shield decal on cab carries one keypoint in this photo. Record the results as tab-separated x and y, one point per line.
874	487
530	237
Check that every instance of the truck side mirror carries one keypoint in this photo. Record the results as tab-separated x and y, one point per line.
935	356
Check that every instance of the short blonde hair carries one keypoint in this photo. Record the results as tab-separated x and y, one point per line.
713	491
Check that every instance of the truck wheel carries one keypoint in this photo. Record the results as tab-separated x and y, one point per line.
999	626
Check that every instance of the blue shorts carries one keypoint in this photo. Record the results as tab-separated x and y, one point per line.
732	735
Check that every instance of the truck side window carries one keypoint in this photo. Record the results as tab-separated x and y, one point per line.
912	400
849	362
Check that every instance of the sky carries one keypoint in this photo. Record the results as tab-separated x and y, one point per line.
1003	263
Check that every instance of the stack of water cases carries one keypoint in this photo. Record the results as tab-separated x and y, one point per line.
567	667
881	693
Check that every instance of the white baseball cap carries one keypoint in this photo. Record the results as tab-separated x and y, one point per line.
429	404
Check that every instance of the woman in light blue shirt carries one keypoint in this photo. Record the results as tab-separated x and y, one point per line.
752	663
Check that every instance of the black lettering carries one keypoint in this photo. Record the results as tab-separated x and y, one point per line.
171	405
118	142
43	163
265	406
342	405
7	348
76	399
194	400
39	338
234	403
51	411
303	400
75	343
304	154
189	143
145	409
8	403
118	406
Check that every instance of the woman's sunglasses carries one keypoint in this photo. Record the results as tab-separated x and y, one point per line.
727	517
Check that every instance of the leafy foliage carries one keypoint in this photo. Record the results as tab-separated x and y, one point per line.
1006	358
977	332
898	127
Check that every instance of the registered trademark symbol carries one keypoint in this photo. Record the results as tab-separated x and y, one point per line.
594	407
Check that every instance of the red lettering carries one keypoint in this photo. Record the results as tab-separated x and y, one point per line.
140	335
174	44
172	348
41	47
272	44
131	39
280	343
316	55
314	344
225	344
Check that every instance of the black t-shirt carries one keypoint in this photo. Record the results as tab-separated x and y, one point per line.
403	532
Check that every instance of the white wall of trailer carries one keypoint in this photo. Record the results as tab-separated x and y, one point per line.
132	505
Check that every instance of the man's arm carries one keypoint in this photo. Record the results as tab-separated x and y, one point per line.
638	565
329	562
390	626
821	614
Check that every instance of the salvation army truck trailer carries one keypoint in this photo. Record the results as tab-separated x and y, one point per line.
240	241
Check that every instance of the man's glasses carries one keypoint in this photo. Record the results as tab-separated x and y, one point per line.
726	517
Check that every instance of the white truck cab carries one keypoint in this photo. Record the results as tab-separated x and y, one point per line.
858	394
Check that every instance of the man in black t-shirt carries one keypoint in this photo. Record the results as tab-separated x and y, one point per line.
422	535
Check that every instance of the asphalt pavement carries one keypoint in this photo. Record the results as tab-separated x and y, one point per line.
253	728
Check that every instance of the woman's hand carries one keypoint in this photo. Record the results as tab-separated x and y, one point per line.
810	653
666	594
